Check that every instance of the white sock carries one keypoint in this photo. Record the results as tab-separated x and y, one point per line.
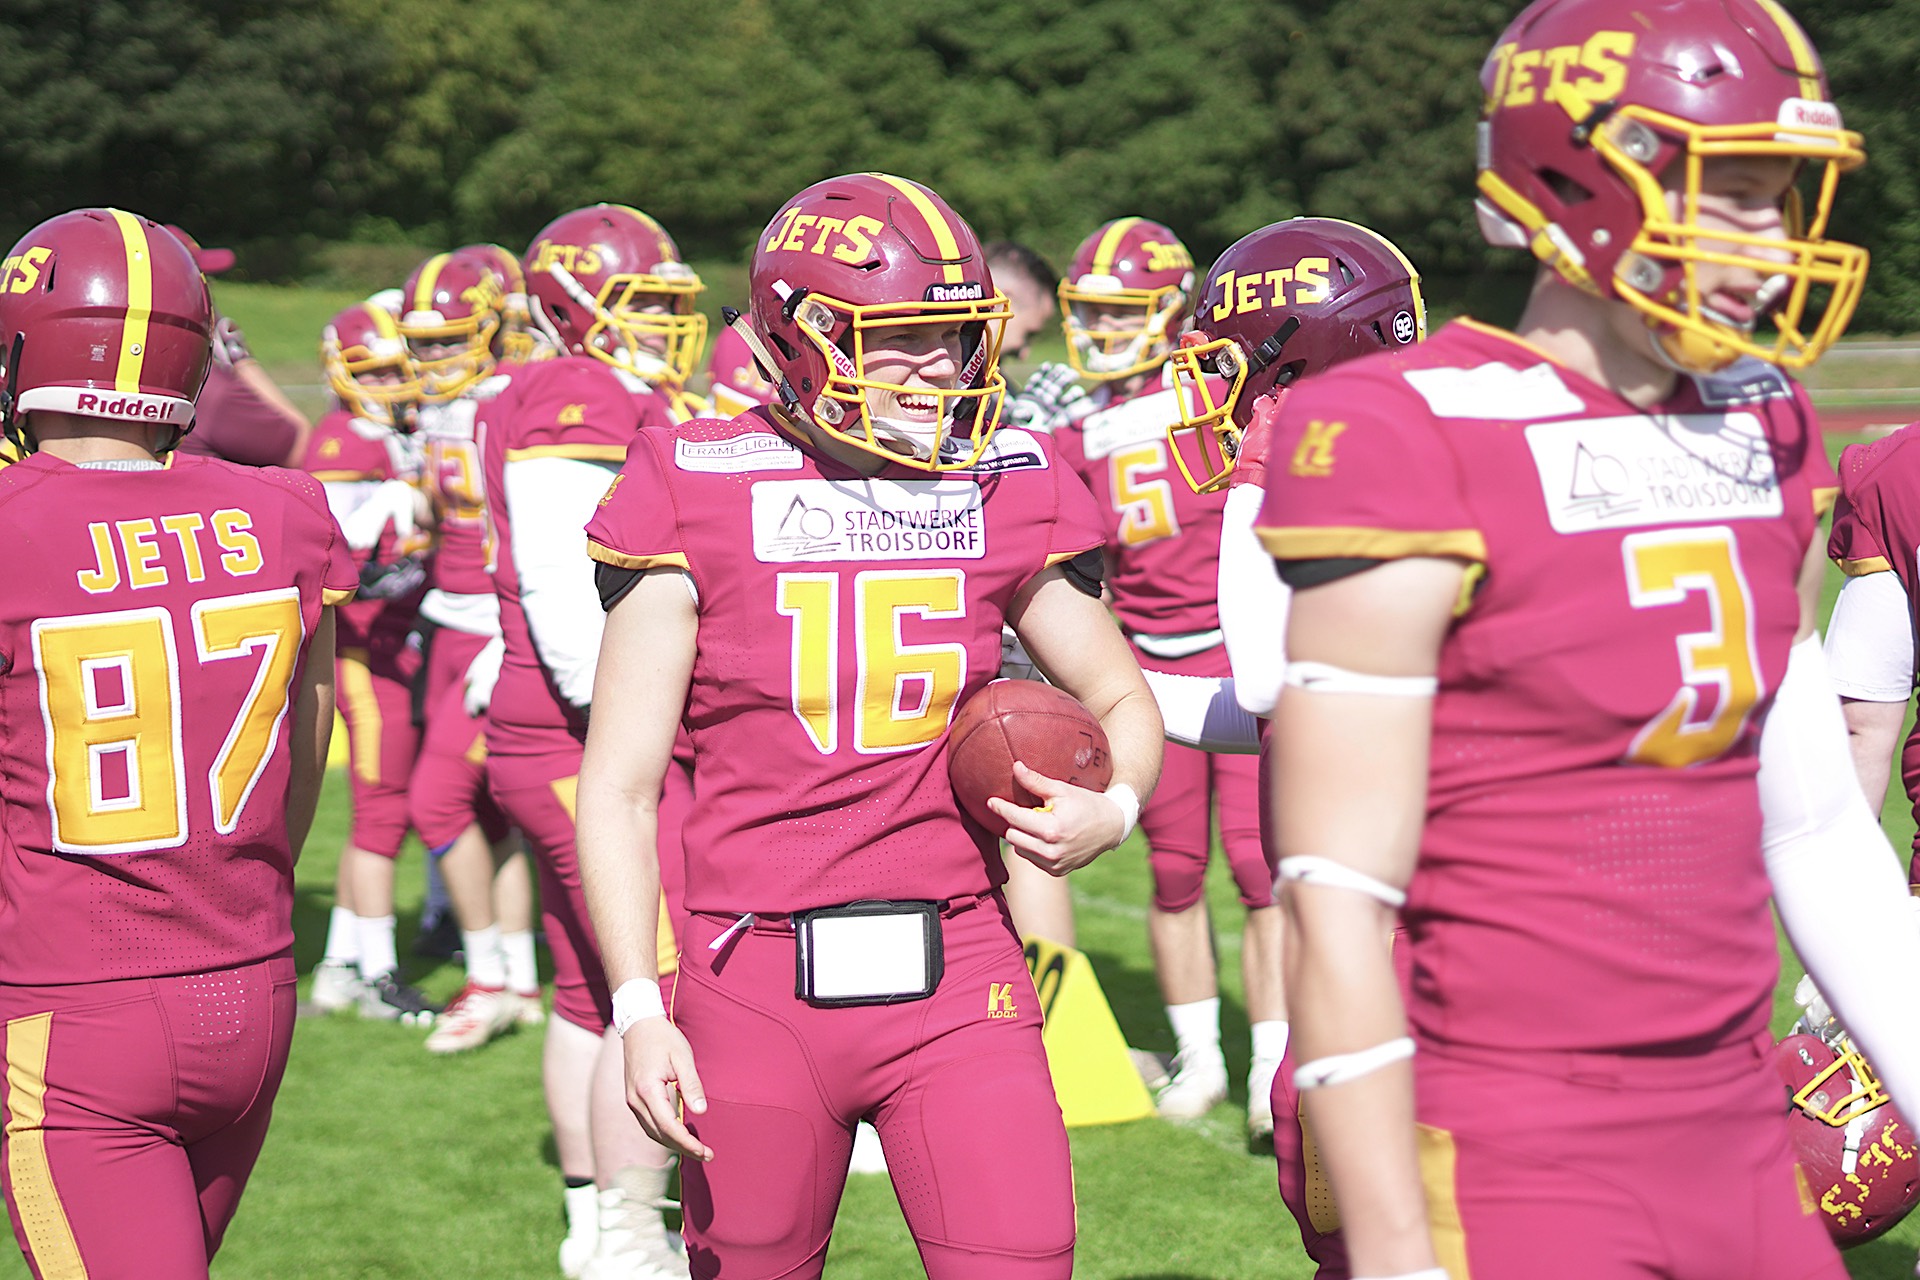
583	1212
343	937
523	971
377	955
1196	1030
486	967
1269	1046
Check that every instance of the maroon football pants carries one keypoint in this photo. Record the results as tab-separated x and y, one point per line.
134	1113
957	1085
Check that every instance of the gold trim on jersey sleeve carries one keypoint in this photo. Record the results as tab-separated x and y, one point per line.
1061	557
621	560
343	477
329	595
1865	565
1371	544
36	1199
581	452
1824	496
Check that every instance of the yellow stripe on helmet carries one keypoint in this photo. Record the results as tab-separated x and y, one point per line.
383	322
429	277
943	237
662	242
133	330
1805	61
1413	274
1110	245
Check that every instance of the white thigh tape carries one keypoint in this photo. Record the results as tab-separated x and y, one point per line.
1323	677
1338	1068
1338	875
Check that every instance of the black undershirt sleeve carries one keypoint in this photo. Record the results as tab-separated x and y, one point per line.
1086	571
1313	573
613	582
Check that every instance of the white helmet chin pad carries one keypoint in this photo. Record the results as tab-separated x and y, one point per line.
919	437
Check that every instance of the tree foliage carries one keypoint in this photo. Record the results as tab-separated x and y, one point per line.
440	121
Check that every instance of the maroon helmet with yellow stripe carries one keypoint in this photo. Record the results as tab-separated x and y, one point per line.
367	366
870	251
102	314
454	320
1593	110
1125	298
1281	303
607	281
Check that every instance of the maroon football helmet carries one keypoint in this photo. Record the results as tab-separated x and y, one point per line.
1281	303
1858	1156
1123	300
367	366
1590	113
870	251
607	281
454	320
102	314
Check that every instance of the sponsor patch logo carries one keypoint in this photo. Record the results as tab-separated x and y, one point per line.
1139	420
572	415
1313	457
1748	382
1495	392
757	451
1640	471
872	520
1000	1000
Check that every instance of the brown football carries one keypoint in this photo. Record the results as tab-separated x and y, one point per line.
1042	727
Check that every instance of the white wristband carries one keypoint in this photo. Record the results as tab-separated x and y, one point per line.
1128	801
1431	1273
636	1000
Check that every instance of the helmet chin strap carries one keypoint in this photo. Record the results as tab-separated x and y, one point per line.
789	398
1689	351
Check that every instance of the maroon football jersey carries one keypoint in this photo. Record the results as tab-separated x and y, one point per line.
1876	523
348	458
1163	539
841	621
456	482
154	626
571	408
1590	875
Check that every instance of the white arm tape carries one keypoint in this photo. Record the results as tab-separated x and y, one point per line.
1837	884
1338	1068
1431	1273
1253	604
1202	711
1329	874
1870	640
1127	800
636	1000
1324	677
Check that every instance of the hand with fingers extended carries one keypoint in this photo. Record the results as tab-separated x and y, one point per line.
660	1077
1072	828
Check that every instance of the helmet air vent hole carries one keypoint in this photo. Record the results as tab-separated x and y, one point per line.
1565	189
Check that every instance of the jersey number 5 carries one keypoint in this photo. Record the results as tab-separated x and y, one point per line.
1663	568
904	692
112	704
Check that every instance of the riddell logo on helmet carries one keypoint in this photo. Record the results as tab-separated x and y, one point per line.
971	291
1805	111
120	407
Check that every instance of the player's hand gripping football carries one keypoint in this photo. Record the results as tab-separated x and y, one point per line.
1071	829
660	1077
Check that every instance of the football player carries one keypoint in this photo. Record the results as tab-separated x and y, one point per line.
1869	641
1553	693
455	320
608	288
242	415
365	455
1233	369
734	381
167	627
1124	302
812	588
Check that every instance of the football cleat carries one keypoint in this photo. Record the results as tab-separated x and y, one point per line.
386	998
336	986
1196	1088
474	1017
532	1011
633	1239
441	939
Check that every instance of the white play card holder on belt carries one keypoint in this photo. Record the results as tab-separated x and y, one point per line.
868	953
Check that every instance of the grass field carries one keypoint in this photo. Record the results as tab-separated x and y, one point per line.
387	1163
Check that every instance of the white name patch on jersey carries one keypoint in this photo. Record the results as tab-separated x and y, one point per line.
1631	472
1494	391
801	520
1136	421
756	451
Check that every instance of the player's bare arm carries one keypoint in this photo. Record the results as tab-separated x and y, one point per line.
1071	637
312	731
645	667
1349	777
